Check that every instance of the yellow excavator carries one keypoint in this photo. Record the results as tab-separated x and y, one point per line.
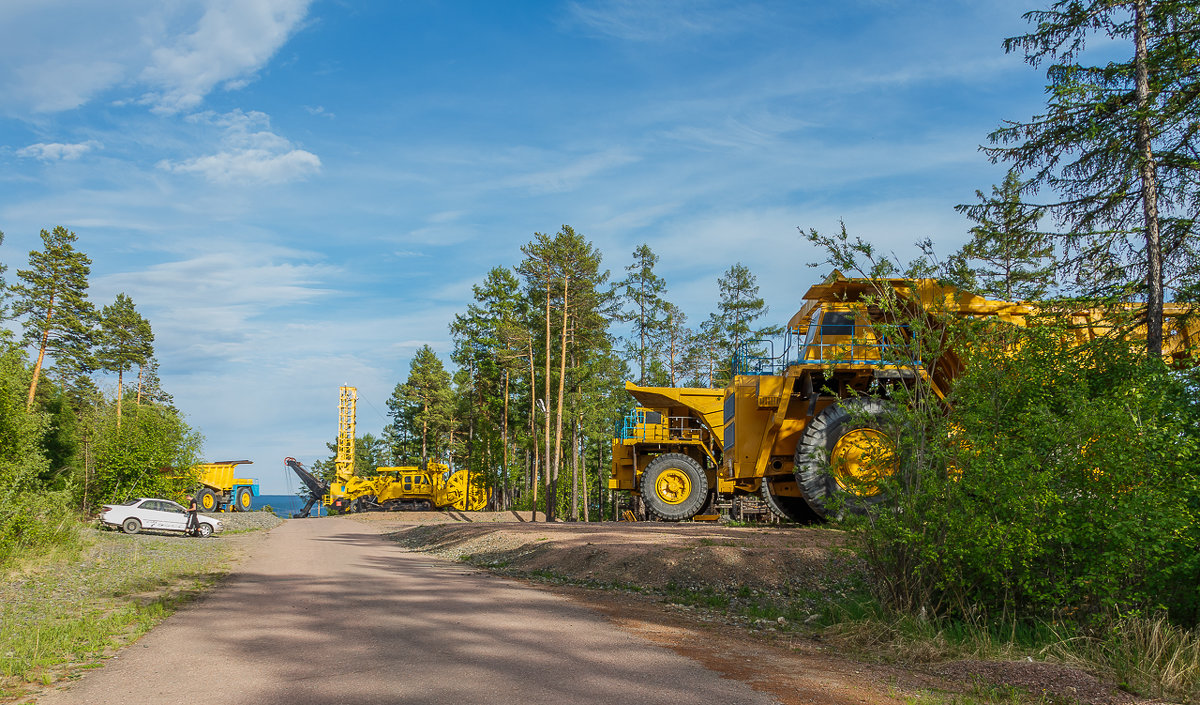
392	488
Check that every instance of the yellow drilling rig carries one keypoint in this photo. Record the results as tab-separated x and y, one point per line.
804	427
391	488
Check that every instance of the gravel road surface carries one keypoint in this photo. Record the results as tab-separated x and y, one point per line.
326	611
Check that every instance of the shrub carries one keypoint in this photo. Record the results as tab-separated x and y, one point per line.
1060	484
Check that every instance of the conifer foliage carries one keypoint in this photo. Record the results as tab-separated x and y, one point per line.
53	297
1116	149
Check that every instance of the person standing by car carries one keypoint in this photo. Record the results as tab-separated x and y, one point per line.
193	524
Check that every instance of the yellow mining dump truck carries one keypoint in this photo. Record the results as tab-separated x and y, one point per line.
391	488
220	490
806	426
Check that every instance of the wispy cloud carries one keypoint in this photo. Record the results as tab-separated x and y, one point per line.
250	153
569	176
55	151
168	55
646	22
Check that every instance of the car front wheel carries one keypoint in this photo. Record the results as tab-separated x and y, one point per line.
131	526
204	530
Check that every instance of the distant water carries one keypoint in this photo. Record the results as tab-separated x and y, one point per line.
283	504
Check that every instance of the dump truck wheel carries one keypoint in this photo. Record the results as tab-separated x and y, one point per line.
787	507
131	526
206	500
844	455
244	499
674	487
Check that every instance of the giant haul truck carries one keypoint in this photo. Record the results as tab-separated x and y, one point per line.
805	427
221	489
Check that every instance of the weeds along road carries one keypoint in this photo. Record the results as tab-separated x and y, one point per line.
326	611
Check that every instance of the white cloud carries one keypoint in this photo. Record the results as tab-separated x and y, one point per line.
54	151
231	40
319	111
568	177
250	153
647	22
59	54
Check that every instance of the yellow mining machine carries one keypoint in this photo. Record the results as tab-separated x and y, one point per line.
221	489
798	429
392	488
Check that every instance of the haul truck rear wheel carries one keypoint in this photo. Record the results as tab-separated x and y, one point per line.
777	493
674	487
844	455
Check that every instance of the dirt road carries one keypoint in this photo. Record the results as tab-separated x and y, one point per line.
326	611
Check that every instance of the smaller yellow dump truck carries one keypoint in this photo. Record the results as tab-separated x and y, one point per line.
220	490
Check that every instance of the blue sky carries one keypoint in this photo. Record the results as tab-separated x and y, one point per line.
298	193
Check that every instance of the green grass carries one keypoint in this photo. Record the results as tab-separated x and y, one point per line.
67	612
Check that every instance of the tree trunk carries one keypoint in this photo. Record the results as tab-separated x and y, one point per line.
546	400
504	435
533	426
425	436
37	368
141	370
120	393
562	378
581	461
574	472
1154	280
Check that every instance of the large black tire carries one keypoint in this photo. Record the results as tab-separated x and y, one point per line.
787	507
836	479
206	500
243	500
674	487
131	525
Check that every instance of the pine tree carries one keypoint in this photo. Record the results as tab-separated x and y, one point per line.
1016	260
150	386
1118	143
423	403
52	296
738	310
125	340
643	306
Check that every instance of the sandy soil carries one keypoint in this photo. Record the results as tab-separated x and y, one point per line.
794	661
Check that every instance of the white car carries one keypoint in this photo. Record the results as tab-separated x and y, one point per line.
153	515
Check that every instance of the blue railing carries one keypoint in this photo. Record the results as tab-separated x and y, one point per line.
841	343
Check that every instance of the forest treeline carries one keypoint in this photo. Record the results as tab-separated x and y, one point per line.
68	445
537	371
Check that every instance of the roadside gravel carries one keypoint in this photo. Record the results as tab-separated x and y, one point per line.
60	615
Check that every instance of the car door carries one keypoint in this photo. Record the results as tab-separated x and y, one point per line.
174	516
151	514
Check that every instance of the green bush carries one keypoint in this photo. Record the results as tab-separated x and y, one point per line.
1061	484
141	457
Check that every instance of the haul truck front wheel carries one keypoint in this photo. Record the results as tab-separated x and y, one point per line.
244	499
844	456
674	487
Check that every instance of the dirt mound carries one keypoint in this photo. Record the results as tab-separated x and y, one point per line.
649	555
